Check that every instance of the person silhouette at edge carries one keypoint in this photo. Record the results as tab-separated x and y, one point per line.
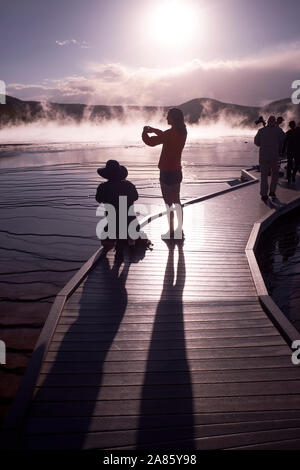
289	151
270	140
173	141
296	148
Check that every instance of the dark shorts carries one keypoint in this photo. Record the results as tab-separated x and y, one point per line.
170	177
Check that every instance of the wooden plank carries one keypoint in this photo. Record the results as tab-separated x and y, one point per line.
174	335
283	444
103	314
69	379
202	270
192	257
169	291
229	434
164	407
142	308
163	345
96	327
104	318
164	391
205	296
175	355
60	425
193	276
152	282
220	442
208	364
166	295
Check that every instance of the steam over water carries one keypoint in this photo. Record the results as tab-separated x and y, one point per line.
48	181
114	132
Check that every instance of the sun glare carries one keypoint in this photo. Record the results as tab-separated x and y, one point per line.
173	23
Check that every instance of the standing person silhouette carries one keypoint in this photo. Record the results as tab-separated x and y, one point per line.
279	121
296	147
270	140
173	141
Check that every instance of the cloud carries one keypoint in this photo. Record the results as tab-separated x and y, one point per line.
108	72
67	42
250	81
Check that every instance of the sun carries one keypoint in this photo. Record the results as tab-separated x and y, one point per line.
173	23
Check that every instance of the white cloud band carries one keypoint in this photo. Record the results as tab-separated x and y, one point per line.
249	81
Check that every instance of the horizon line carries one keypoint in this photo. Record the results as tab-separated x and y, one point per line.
150	106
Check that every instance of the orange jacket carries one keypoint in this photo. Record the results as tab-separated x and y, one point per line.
173	144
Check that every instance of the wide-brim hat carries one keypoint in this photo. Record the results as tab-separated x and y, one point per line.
113	171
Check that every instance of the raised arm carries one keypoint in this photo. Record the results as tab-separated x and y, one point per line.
154	131
153	140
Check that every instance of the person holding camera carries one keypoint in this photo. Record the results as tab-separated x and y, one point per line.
270	141
173	142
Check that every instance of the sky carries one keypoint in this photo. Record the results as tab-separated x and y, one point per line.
136	52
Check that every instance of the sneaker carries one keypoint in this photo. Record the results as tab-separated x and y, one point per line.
264	198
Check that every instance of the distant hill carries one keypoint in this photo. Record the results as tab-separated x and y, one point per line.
282	107
207	109
16	111
202	110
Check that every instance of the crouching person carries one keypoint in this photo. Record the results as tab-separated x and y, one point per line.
118	196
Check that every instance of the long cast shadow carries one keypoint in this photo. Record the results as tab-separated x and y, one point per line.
166	411
84	349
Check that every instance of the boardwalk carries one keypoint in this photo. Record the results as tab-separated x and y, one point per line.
174	351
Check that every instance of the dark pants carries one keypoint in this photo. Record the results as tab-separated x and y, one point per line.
292	166
297	165
267	165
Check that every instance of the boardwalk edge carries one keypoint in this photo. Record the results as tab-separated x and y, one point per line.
286	329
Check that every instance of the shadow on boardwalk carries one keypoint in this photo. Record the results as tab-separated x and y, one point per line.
102	305
166	411
90	391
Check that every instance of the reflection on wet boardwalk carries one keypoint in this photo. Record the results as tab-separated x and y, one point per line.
172	352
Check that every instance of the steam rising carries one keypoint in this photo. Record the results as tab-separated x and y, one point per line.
118	131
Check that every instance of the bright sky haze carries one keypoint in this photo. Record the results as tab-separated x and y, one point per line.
163	52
